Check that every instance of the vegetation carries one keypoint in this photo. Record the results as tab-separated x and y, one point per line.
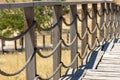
11	21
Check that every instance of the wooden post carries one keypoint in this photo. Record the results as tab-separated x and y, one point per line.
101	33
56	38
94	21
44	41
68	37
21	43
115	17
3	44
83	28
73	28
15	44
118	18
107	20
30	43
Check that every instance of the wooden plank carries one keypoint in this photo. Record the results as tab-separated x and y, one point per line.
103	74
100	78
57	35
97	70
73	30
110	59
30	44
111	56
110	62
109	65
117	69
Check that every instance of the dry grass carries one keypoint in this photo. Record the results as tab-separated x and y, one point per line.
12	62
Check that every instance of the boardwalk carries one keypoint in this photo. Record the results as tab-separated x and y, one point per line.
98	34
103	67
108	68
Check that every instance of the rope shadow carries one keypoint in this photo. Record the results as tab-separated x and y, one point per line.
77	73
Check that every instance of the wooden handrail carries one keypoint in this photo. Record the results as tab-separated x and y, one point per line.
41	3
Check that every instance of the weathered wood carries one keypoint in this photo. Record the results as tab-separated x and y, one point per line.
43	41
103	73
30	44
84	26
110	62
100	78
112	17
108	68
94	21
57	35
73	30
101	32
40	3
107	21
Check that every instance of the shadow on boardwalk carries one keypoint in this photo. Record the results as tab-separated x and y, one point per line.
75	74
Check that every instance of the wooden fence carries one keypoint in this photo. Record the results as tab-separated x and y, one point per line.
98	23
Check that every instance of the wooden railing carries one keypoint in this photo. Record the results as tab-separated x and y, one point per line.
104	26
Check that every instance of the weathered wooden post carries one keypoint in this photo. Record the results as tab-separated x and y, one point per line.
94	21
30	43
101	32
83	28
107	20
118	19
43	41
114	19
56	38
73	30
15	44
68	37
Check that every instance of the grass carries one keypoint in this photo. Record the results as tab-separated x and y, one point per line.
12	62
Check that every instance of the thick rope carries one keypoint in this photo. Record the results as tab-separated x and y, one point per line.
22	68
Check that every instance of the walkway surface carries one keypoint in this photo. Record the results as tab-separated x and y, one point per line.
108	68
104	67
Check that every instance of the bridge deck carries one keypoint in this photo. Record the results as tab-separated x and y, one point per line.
108	67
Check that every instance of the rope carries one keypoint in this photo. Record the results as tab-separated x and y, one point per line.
39	77
100	15
69	44
84	18
92	47
20	35
91	17
22	68
85	52
73	61
46	56
51	27
107	11
69	24
84	35
93	31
